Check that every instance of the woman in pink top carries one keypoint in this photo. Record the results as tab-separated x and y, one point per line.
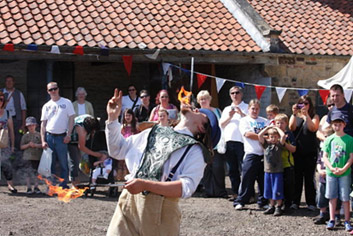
162	101
128	129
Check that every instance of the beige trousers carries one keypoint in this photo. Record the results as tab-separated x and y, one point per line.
147	215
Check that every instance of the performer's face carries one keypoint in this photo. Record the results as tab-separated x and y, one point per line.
198	119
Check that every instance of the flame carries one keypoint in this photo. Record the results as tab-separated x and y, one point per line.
184	96
65	195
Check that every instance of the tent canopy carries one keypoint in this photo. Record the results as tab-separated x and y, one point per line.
344	77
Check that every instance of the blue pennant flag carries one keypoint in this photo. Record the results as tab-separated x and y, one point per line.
240	84
303	92
32	47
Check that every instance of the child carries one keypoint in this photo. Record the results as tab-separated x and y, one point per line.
273	168
253	167
129	128
271	112
103	167
163	117
338	157
281	121
32	146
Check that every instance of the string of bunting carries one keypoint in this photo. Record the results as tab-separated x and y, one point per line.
259	89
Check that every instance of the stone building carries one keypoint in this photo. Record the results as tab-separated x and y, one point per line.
280	43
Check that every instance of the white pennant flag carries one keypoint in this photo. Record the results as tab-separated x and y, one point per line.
170	75
165	67
348	94
219	83
280	92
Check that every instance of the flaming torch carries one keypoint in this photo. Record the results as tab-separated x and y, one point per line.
184	96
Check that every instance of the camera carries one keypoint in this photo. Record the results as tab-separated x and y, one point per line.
300	105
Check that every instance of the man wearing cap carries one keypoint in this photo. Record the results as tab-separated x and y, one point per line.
165	165
16	105
56	127
143	111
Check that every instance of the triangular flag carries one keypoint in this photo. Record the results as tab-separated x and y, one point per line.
154	55
165	67
348	94
9	47
200	79
303	92
128	64
280	93
78	50
259	89
55	49
324	95
219	83
32	47
240	84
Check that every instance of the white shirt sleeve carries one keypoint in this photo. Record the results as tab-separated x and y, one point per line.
23	102
244	126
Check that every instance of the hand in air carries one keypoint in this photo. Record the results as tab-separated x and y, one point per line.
114	105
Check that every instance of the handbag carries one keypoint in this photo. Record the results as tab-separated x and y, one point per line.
4	138
222	144
44	167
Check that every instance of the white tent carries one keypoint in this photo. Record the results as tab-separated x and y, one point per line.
344	77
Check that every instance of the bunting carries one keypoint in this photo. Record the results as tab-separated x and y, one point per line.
9	47
200	79
259	89
324	95
78	50
280	93
348	94
128	64
55	49
219	83
302	92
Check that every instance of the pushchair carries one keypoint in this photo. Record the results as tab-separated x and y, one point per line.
98	143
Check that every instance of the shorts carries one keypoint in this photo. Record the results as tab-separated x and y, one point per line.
338	187
273	186
321	200
31	167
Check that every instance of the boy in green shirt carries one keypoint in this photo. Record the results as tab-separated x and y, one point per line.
338	157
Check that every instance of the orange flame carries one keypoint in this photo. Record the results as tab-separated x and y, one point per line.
184	96
65	195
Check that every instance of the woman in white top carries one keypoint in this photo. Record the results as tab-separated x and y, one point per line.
81	106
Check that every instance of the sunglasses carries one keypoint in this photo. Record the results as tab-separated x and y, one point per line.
130	90
237	92
53	89
330	105
144	96
305	103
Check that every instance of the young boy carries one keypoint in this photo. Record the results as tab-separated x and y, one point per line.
163	117
273	167
32	146
281	121
338	157
103	167
271	112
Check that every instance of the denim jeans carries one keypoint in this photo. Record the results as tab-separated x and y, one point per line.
59	148
234	158
75	157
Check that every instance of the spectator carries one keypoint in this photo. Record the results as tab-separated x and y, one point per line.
304	123
143	111
16	105
163	117
32	146
229	121
162	101
253	166
7	123
81	105
129	128
271	112
84	126
131	101
56	127
214	176
102	167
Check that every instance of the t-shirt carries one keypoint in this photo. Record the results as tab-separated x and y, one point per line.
127	103
339	150
287	156
31	153
248	124
347	113
57	114
231	131
81	109
272	158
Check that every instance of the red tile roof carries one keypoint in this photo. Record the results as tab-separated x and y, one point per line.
164	24
311	26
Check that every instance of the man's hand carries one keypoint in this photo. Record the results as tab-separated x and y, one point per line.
135	186
67	139
44	145
114	105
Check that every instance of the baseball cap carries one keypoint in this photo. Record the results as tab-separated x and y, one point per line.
338	116
31	121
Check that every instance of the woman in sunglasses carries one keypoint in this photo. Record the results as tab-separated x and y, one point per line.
5	153
304	123
162	101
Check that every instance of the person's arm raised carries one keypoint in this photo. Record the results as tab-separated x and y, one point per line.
114	105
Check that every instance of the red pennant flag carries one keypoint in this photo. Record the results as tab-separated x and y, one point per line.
259	90
200	79
9	47
128	64
324	95
78	50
